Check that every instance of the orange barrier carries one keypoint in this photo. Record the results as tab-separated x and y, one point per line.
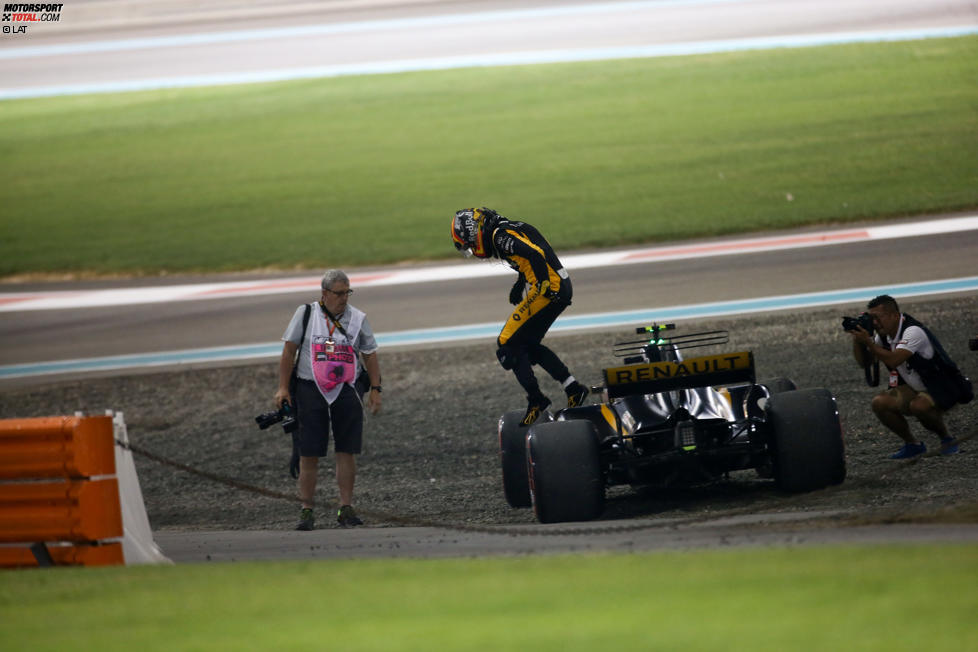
52	509
73	510
56	447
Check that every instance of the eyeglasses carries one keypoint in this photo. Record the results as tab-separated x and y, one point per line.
345	293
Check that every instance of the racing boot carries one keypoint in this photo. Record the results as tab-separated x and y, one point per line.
534	409
576	394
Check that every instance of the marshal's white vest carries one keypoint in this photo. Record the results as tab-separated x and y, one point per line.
333	355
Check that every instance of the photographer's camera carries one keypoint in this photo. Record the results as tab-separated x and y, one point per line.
864	321
871	366
283	414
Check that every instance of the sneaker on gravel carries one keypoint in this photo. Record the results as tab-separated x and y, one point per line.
306	520
534	410
948	447
576	394
909	450
347	517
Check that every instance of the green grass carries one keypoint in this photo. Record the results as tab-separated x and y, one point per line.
830	598
360	170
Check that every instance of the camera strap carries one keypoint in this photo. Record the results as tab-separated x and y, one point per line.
294	378
872	371
305	325
293	382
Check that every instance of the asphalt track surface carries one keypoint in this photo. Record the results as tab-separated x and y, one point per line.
51	335
48	335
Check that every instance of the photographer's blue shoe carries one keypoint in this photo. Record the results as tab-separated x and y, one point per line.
909	450
948	447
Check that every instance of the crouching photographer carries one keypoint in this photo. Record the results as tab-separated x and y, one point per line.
923	380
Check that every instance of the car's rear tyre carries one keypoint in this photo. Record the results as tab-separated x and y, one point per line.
779	385
807	445
512	453
565	471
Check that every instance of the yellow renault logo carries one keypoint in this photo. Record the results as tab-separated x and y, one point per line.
707	364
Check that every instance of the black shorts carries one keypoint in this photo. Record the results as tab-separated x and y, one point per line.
316	415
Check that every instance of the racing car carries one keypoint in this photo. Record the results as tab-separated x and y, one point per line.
666	420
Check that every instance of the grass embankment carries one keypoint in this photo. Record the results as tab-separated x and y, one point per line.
355	171
888	598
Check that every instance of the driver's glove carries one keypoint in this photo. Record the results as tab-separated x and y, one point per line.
516	294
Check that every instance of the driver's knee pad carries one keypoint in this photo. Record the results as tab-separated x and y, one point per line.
507	357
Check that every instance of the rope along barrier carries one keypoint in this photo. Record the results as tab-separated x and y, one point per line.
462	527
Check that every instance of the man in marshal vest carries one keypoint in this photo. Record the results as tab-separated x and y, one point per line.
324	343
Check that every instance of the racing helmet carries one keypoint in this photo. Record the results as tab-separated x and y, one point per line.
467	228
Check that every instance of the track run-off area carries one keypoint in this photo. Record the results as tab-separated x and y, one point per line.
53	330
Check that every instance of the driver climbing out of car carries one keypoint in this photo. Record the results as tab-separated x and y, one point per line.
542	291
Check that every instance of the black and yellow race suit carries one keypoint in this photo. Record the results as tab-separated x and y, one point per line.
529	253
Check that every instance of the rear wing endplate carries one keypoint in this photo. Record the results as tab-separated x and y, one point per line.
704	371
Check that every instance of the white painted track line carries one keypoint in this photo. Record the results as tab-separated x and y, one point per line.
65	300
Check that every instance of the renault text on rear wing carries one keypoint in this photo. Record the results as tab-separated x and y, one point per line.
654	377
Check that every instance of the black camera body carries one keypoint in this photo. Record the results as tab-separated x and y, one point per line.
285	414
865	320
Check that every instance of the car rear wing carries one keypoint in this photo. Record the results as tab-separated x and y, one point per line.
704	371
648	349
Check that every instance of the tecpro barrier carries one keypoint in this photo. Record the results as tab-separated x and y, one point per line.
66	489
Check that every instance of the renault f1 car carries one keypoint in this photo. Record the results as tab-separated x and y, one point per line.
667	420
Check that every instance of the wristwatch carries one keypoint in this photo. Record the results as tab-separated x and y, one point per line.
377	387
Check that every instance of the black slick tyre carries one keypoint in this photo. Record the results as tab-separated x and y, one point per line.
806	440
512	454
565	471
